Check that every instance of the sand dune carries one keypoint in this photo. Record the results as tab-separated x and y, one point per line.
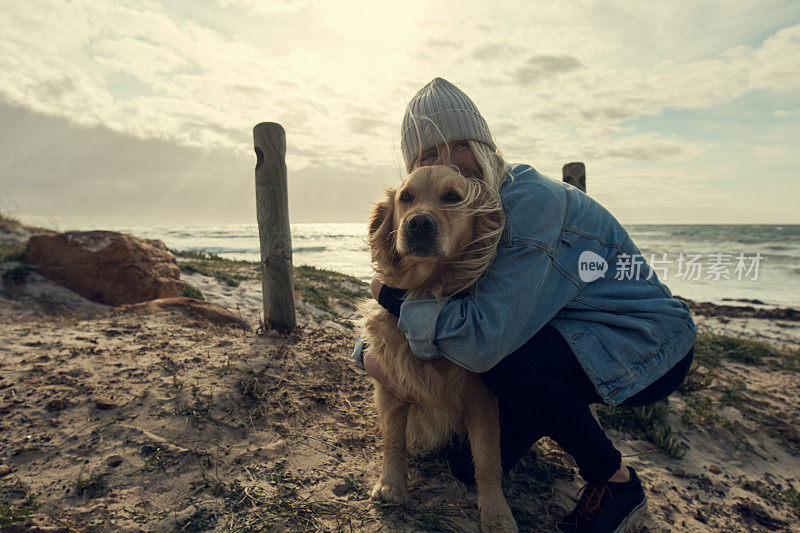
166	422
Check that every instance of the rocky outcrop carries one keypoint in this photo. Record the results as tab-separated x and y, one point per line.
105	266
212	312
742	311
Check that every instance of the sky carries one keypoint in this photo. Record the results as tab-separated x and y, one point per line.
141	112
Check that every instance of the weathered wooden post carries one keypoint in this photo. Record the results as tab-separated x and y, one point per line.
272	211
575	174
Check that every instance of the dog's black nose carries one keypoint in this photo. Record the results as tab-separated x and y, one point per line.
421	225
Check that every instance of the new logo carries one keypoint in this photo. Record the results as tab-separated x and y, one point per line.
591	266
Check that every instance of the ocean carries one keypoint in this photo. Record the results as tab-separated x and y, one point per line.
713	263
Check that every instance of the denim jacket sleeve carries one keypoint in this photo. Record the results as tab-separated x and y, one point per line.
521	291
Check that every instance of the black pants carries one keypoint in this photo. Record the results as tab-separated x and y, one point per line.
543	391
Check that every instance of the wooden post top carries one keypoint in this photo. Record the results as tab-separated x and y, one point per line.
575	174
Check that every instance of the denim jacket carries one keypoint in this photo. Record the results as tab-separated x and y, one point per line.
562	259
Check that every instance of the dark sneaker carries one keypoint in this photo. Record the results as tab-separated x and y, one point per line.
606	507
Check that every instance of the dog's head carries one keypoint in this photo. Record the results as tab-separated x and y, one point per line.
423	227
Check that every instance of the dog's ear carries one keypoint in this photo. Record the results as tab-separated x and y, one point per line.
382	231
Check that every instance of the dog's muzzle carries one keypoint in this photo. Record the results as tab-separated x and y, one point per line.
421	235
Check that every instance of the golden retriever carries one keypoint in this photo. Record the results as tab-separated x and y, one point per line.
423	238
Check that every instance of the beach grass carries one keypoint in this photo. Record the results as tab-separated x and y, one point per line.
707	392
88	488
190	291
16	512
228	271
779	494
333	293
714	348
300	389
647	422
12	252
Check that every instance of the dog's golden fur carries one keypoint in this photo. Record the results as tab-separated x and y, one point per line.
444	398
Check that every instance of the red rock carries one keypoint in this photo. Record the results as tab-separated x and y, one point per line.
106	266
199	308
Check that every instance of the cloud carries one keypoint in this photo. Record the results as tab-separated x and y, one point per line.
134	180
776	63
645	149
542	66
494	51
442	44
505	127
556	83
142	71
264	6
609	113
364	125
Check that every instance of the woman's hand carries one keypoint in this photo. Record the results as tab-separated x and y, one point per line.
373	366
375	286
376	372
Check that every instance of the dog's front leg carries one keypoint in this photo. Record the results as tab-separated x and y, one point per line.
392	415
483	426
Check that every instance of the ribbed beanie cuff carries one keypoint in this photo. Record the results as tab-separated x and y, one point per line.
440	112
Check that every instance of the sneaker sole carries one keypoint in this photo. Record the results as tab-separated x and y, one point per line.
635	517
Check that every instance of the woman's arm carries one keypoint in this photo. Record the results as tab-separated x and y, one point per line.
521	292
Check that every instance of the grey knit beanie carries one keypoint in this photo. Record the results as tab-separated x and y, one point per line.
440	112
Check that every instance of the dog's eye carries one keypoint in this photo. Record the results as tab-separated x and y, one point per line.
405	196
451	197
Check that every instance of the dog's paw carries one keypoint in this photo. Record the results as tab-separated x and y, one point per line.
391	492
498	520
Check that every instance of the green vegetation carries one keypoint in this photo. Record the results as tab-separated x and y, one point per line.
257	508
712	349
190	291
707	391
88	488
228	271
648	422
325	289
696	380
700	412
775	493
15	512
197	410
155	458
12	252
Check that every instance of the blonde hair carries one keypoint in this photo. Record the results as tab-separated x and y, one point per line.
486	210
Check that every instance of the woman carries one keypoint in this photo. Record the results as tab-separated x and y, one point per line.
566	314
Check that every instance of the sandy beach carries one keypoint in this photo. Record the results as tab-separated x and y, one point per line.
113	421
